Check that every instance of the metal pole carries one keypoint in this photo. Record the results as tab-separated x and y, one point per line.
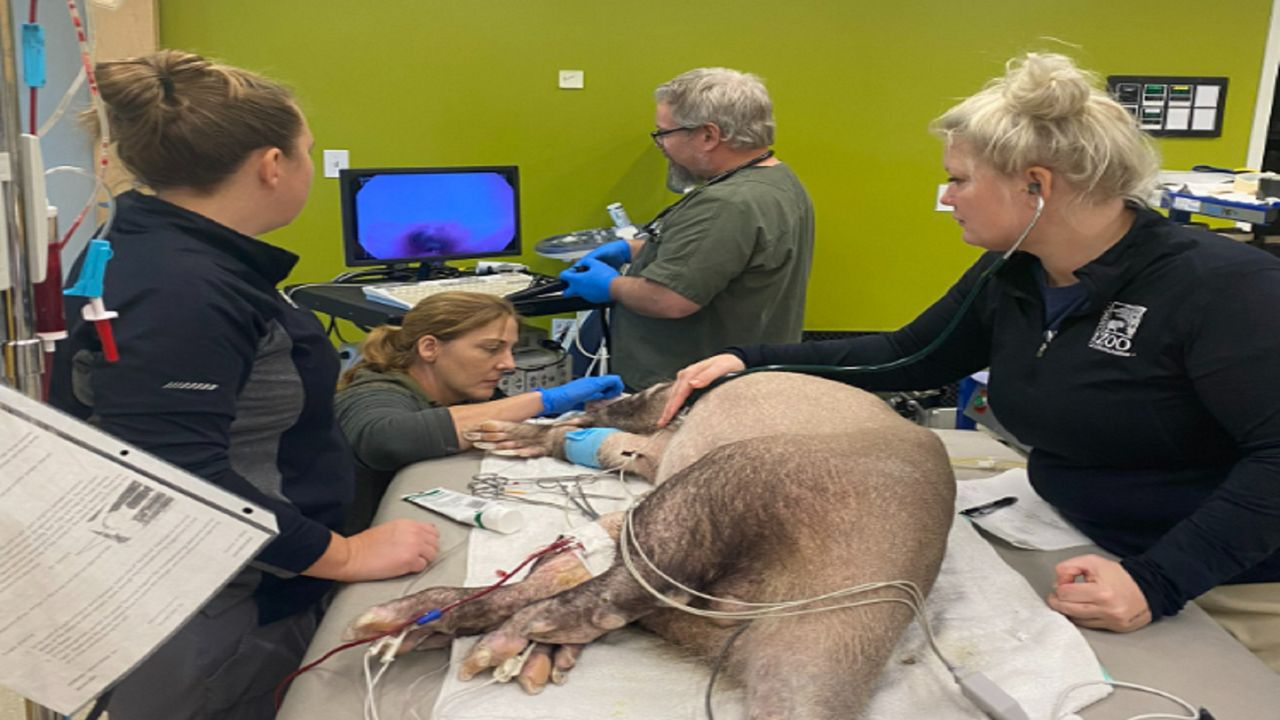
23	361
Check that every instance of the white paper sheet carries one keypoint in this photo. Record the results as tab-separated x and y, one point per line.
1028	523
102	559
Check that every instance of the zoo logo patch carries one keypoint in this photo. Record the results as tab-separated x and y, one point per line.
1116	329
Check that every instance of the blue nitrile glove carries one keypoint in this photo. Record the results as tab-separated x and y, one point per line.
589	279
571	395
614	254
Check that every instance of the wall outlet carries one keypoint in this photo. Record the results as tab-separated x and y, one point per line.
560	328
335	160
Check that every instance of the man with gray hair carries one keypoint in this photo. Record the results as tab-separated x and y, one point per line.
727	263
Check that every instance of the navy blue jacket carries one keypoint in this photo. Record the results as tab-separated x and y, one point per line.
1154	413
220	375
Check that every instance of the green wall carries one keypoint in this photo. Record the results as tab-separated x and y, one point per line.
855	83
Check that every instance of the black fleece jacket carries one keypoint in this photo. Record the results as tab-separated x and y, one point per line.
1154	412
220	375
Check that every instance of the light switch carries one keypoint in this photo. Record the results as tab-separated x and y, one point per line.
571	80
939	205
335	160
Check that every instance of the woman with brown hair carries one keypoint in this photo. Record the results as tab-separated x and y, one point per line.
220	375
421	386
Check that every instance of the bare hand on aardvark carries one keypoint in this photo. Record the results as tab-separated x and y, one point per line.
695	377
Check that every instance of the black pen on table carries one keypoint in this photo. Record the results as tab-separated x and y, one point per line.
988	507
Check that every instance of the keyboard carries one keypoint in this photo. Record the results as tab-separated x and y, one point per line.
406	295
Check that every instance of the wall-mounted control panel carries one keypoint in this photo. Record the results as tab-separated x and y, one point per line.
1172	106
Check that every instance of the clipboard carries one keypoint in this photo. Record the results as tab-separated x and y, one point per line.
105	550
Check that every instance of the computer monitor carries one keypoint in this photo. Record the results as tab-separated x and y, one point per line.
397	216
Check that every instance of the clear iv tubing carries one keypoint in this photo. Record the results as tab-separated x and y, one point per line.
836	372
99	187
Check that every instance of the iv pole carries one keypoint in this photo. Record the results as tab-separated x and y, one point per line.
23	360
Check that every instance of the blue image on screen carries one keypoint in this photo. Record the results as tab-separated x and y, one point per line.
429	215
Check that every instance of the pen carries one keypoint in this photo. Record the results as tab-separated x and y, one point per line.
988	507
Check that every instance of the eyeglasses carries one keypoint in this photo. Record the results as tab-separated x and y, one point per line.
657	135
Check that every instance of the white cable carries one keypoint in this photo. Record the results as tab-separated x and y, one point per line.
576	330
621	470
767	609
370	708
385	649
602	351
99	186
70	94
1193	713
914	601
622	480
409	694
62	104
453	699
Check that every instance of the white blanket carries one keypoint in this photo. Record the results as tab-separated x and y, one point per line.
1030	522
984	614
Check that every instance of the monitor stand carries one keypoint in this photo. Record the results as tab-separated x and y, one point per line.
395	272
436	270
403	273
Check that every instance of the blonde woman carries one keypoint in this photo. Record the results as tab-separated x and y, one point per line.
421	386
1137	357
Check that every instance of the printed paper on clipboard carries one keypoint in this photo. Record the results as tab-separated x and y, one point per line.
105	552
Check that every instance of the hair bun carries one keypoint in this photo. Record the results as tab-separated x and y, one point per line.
1047	86
174	69
179	64
179	120
142	86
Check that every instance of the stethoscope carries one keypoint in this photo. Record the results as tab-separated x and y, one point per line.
649	231
652	229
838	372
